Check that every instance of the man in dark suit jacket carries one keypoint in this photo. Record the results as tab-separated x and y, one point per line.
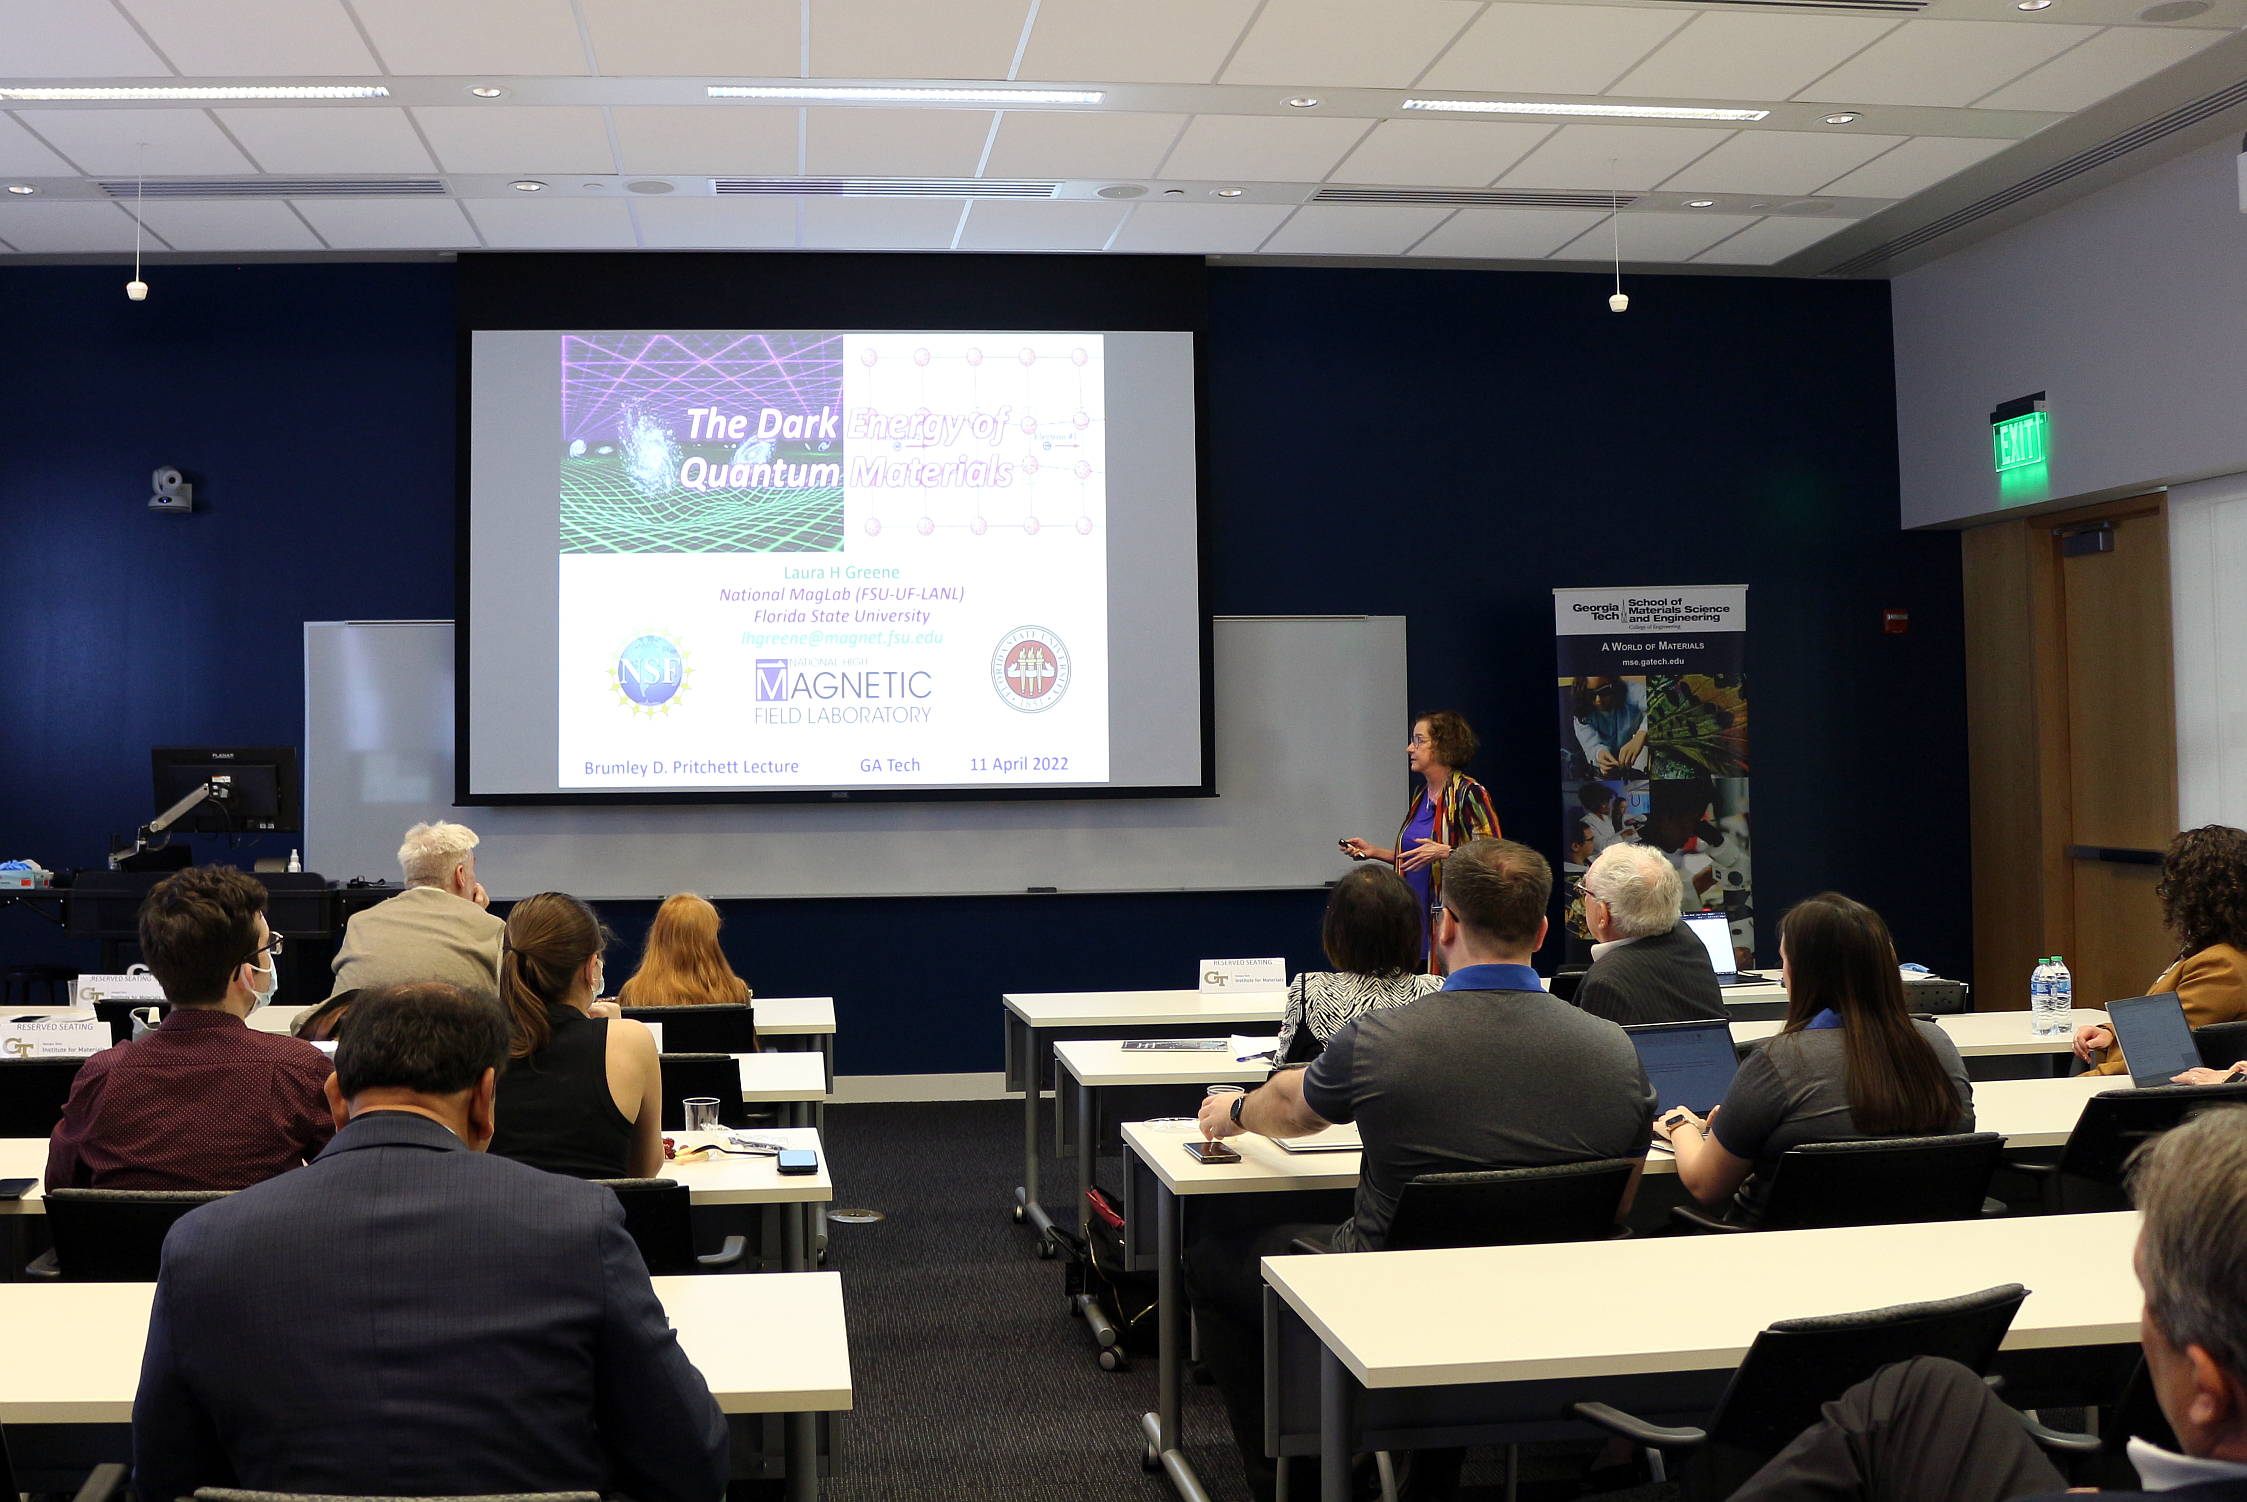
407	1316
1928	1430
1647	966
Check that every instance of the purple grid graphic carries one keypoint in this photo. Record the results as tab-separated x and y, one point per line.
662	375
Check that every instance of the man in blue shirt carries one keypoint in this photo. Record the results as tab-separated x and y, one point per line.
1490	1072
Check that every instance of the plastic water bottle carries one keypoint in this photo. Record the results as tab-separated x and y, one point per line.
295	864
2040	998
2059	996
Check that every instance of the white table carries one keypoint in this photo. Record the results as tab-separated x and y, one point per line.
1607	1310
792	1081
1035	1020
1979	1035
89	1338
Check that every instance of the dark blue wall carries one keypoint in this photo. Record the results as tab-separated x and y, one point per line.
1446	445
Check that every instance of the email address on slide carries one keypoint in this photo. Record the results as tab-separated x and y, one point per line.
842	638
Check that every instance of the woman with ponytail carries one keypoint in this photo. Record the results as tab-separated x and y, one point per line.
1849	1064
582	1095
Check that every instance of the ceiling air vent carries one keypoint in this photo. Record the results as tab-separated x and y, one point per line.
881	187
1480	198
281	187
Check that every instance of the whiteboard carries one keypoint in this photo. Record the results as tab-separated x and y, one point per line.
1310	748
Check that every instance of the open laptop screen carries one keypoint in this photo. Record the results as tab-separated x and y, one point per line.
1714	930
2156	1040
1690	1064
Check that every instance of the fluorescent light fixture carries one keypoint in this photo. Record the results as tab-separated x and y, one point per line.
1606	111
908	95
211	91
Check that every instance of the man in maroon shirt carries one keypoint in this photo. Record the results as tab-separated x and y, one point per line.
203	1102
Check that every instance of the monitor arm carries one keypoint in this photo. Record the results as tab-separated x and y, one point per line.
201	793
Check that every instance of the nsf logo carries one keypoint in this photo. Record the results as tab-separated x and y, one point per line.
1030	669
650	673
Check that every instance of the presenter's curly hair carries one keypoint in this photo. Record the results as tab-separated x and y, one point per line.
1450	737
2203	888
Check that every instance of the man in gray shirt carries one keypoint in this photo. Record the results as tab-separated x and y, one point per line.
1490	1072
436	929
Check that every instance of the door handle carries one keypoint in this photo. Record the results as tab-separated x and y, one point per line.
2115	855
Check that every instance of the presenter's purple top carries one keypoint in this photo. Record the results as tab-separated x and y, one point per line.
1421	826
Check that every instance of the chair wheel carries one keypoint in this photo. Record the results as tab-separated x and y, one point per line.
1111	1359
1202	1375
1046	1249
1018	1215
1149	1460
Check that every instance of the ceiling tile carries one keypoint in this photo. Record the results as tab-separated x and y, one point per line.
722	140
880	223
1612	156
1133	41
998	224
1513	234
1779	161
1736	55
389	223
1207	229
1655	237
1372	44
1769	241
72	39
109	141
717	223
2111	61
1919	163
1440	153
50	228
1261	148
895	143
329	140
219	38
1551	49
518	138
553	223
1354	229
21	155
1944	62
497	37
1067	143
697	38
915	38
239	225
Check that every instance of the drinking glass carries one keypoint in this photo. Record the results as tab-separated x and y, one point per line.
702	1113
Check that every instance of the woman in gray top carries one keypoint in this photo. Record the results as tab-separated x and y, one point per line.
1850	1064
1372	939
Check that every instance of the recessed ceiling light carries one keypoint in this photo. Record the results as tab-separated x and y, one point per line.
910	96
1700	203
24	188
2174	10
1841	119
527	186
2032	4
205	91
1230	192
1303	102
1605	111
487	92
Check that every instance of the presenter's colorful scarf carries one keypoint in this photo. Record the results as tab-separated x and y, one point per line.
1463	812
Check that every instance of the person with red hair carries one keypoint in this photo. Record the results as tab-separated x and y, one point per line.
682	964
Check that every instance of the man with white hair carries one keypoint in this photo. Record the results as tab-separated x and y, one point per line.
436	929
1646	965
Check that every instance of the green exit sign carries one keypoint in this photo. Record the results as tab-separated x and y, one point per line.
2020	439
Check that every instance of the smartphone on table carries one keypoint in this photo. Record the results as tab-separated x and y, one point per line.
799	1160
16	1189
1211	1152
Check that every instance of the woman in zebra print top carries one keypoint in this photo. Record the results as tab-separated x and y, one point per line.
1372	939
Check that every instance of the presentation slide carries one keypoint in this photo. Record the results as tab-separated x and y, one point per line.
789	561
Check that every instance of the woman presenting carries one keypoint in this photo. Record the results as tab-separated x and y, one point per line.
1450	809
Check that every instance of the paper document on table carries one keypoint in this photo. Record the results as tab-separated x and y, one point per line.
1246	1050
1335	1139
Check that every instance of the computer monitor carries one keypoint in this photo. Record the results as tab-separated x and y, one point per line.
2155	1039
1690	1064
255	788
1714	930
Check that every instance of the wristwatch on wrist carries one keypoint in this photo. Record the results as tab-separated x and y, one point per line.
1238	1102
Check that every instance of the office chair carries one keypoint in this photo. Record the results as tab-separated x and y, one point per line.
101	1484
1797	1366
33	1093
659	1215
1878	1182
2114	1124
2222	1044
686	1075
1505	1207
37	986
231	1494
113	1235
719	1027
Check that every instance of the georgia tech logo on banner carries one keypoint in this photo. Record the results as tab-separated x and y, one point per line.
650	673
1030	669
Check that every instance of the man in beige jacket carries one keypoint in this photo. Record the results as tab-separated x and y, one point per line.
436	929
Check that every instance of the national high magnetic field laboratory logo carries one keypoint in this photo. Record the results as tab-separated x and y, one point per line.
650	673
1030	669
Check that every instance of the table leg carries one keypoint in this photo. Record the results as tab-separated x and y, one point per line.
793	1239
1170	1291
1033	1078
1334	1427
799	1448
1084	1159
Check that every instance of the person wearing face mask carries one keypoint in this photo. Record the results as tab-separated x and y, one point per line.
583	1093
203	1101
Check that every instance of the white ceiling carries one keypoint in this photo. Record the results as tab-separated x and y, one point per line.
600	93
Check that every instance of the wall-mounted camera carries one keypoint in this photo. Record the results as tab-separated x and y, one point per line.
173	493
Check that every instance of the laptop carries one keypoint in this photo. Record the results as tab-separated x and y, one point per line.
2155	1039
1690	1064
1335	1139
1714	930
